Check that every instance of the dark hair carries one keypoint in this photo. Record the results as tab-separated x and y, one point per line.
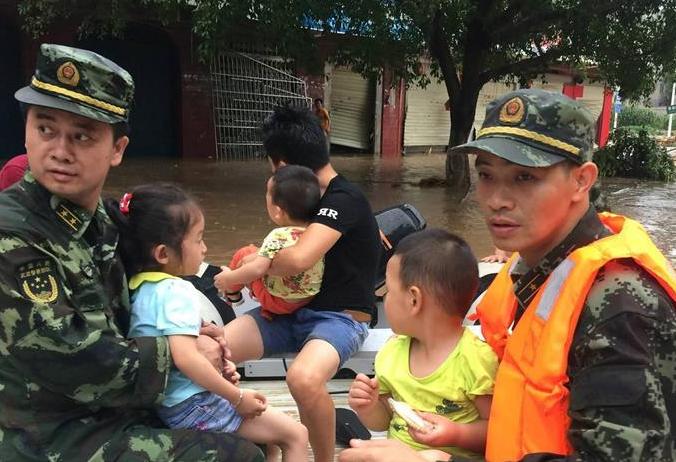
120	129
320	100
295	189
293	135
159	213
442	264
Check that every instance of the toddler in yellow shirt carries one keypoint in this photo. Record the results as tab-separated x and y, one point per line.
433	364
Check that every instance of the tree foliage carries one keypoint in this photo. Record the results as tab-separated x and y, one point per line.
628	43
636	116
633	153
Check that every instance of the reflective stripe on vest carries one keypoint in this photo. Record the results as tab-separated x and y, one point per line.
553	288
530	403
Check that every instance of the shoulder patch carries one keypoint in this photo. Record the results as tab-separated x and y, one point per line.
38	282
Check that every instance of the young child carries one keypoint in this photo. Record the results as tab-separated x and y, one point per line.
433	364
292	198
161	231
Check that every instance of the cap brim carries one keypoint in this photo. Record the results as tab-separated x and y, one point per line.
510	149
29	95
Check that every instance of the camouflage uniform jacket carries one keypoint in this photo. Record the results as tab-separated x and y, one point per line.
67	373
622	361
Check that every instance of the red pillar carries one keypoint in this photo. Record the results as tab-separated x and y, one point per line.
603	124
392	131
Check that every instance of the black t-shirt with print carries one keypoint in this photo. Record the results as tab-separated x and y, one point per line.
350	265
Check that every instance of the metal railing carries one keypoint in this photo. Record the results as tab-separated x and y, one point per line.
245	89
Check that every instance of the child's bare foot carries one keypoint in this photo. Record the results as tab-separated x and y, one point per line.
434	455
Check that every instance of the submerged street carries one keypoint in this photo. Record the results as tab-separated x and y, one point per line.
233	197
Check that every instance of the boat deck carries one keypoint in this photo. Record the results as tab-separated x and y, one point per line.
278	396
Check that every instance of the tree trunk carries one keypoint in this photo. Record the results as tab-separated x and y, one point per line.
462	120
463	86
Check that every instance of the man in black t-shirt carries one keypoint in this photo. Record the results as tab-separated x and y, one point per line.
333	326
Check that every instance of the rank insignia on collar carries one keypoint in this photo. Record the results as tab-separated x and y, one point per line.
68	74
513	111
38	282
69	218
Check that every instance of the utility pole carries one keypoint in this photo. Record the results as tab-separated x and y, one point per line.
671	115
617	107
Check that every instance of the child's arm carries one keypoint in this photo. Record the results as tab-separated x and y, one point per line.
250	271
371	409
312	245
198	369
471	436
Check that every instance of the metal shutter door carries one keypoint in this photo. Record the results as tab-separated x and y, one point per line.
427	122
352	101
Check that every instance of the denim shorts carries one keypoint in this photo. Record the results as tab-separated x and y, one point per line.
288	333
204	411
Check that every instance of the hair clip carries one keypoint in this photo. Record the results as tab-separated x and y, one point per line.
124	203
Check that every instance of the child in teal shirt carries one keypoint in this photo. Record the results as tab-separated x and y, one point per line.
161	230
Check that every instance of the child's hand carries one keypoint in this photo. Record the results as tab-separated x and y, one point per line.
221	280
440	433
363	395
252	405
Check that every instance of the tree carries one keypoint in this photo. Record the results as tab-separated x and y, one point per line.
473	42
631	43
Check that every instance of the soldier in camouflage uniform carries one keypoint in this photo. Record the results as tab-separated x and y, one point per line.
72	387
535	171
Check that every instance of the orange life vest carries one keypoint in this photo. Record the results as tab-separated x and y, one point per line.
530	404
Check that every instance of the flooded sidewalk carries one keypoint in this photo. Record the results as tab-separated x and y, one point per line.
233	197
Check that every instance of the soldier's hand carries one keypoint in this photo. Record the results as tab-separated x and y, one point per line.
212	350
216	332
252	405
230	372
210	329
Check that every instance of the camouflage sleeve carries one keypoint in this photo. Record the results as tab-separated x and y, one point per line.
69	350
622	368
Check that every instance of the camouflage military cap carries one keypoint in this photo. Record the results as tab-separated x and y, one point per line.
81	82
535	128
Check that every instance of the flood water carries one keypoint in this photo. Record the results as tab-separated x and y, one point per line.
233	197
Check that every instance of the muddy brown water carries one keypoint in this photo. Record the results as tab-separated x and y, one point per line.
233	197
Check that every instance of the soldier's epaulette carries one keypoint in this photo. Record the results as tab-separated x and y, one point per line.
69	217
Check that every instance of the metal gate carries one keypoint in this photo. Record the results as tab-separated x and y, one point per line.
246	88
